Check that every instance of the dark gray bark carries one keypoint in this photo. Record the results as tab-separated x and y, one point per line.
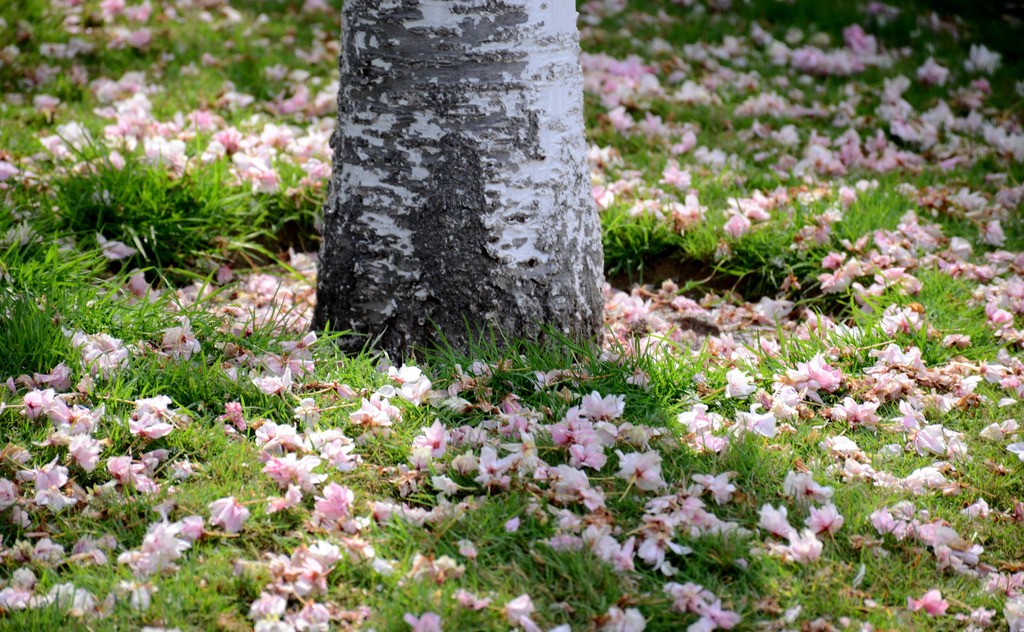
461	193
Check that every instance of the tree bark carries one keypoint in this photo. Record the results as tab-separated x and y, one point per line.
461	198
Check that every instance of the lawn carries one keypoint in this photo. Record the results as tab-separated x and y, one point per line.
803	414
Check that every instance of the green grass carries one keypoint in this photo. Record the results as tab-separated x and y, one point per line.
55	281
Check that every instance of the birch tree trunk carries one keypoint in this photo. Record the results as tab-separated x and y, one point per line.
461	193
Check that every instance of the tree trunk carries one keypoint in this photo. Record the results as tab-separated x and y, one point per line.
461	194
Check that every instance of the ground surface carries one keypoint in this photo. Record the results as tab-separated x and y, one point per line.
813	428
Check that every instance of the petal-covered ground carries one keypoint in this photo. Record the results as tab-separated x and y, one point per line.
804	414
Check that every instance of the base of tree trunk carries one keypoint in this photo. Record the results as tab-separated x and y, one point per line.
461	198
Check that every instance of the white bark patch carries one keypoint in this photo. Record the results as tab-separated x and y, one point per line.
438	14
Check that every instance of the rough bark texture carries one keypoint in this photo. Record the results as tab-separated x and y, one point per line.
461	193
